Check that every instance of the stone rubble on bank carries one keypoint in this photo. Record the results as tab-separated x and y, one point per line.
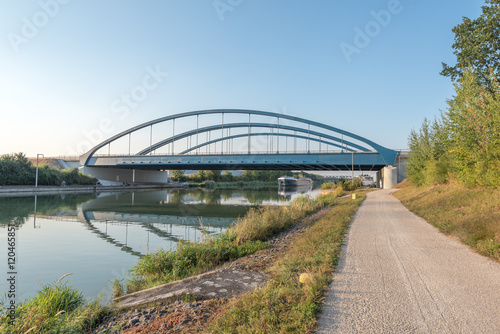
172	318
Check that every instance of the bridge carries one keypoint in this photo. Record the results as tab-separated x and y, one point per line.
231	139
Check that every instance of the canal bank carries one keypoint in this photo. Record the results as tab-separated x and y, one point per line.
19	191
319	234
293	210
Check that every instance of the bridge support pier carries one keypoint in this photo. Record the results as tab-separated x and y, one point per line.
389	177
120	176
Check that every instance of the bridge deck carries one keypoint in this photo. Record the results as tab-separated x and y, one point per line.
363	161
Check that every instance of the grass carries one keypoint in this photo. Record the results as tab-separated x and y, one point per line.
54	309
284	304
188	259
471	215
248	235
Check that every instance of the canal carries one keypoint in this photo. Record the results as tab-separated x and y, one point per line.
99	237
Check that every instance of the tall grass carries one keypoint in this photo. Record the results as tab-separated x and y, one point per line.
190	258
284	304
248	235
471	215
54	309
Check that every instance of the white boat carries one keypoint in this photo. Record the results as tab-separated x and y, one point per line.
287	181
304	181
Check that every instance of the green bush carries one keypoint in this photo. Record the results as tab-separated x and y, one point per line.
327	185
54	309
350	185
16	169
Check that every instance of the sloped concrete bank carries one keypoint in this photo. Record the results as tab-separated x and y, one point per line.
222	283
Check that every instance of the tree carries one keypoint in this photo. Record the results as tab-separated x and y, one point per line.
227	176
178	175
466	142
201	175
427	160
213	175
473	127
477	45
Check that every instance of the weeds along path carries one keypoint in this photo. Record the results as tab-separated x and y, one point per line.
398	274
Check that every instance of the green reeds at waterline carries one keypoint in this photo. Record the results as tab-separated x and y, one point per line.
56	308
189	259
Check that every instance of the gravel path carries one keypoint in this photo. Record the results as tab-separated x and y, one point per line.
398	274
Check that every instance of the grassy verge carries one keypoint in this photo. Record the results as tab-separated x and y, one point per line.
471	215
246	236
284	304
55	309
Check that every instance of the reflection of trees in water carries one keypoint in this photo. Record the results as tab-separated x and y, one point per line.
176	197
259	196
213	197
18	209
208	197
227	194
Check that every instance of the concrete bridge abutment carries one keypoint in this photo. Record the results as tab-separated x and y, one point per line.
120	176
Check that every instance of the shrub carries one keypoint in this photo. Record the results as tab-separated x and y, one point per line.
327	185
55	309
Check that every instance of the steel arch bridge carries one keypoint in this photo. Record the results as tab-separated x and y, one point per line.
239	140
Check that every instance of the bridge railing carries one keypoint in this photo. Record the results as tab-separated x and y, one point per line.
302	152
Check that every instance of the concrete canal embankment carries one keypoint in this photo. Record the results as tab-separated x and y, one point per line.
19	191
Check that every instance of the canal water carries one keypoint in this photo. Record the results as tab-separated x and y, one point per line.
99	237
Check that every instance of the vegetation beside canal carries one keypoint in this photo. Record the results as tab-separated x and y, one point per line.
247	177
285	304
236	185
248	235
17	170
57	308
471	215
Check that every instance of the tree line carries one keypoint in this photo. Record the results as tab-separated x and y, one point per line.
16	169
246	176
463	144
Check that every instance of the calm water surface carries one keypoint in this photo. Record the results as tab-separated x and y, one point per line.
99	237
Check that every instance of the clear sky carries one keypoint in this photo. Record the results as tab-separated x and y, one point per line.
66	64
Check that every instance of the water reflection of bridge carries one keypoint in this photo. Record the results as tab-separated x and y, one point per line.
168	228
166	216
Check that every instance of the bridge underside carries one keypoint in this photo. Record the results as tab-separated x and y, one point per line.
360	161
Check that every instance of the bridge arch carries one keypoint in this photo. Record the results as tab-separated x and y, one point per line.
303	130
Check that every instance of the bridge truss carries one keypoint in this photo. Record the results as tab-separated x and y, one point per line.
236	139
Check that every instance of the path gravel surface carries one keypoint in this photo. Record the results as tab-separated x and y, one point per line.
399	274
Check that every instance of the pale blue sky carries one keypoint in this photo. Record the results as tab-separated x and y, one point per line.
64	69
